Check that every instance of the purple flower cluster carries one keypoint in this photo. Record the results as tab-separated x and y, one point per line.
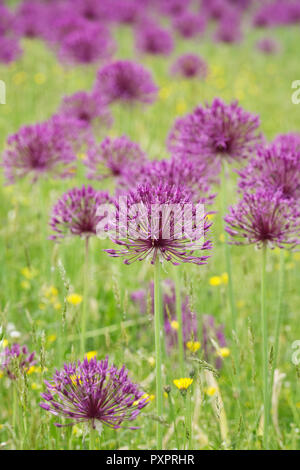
189	25
277	12
190	66
24	360
75	213
268	46
119	158
40	149
95	393
125	81
159	234
215	132
152	39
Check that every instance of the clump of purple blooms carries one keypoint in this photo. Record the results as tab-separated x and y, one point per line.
152	39
95	393
160	234
38	150
24	359
119	158
268	46
75	213
215	132
127	82
189	66
189	25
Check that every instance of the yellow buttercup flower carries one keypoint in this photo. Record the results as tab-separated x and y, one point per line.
174	325
5	343
74	299
210	391
193	346
51	338
28	273
35	386
215	281
50	291
223	352
1	374
31	370
183	383
89	355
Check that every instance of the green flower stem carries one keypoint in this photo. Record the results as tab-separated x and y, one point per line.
92	440
264	328
278	319
85	299
173	418
158	329
179	319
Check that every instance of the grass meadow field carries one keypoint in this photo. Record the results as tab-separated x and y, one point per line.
46	286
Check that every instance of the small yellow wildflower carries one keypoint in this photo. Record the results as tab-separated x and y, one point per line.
57	306
223	352
174	325
1	374
89	355
1	426
74	299
151	361
215	281
193	346
31	370
210	216
5	343
25	285
51	338
50	292
183	383
76	431
28	273
39	78
164	93
35	386
210	391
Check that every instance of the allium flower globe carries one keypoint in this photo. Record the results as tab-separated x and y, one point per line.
95	393
190	66
24	360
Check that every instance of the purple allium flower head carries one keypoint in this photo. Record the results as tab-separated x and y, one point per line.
95	393
87	108
93	10
195	177
86	46
127	11
64	21
268	46
189	25
75	213
6	20
278	12
9	49
229	28
151	225
275	167
152	39
119	158
173	7
215	132
126	81
214	9
263	218
37	150
190	66
31	19
211	331
24	359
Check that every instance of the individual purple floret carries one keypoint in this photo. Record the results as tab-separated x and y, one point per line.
119	158
190	66
268	46
215	132
229	27
189	25
85	46
150	225
275	167
152	39
75	213
20	354
126	81
89	109
263	218
94	393
38	150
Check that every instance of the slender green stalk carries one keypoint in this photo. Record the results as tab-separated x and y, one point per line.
179	319
158	328
173	418
264	328
85	299
188	399
14	410
278	319
92	440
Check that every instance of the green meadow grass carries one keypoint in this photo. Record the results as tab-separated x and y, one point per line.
35	86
